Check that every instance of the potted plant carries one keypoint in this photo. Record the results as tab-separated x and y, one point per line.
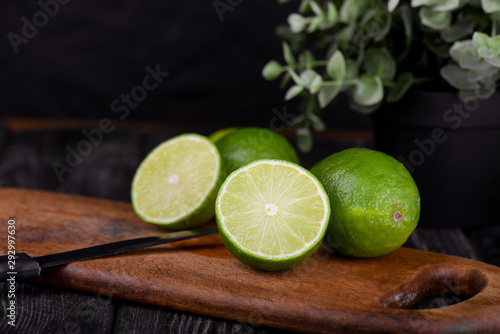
426	70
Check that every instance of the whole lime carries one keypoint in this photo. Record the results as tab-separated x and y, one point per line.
375	203
214	137
243	146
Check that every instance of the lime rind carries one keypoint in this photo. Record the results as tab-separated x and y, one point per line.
199	212
272	261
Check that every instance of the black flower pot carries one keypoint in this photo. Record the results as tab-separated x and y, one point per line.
452	149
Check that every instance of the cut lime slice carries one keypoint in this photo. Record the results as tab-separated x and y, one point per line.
272	214
176	184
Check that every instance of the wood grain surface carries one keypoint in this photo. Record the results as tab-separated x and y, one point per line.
327	293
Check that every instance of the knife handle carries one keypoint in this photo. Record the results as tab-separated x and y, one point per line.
21	267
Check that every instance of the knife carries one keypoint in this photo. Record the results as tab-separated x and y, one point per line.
24	267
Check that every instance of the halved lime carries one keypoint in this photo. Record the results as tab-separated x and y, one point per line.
176	184
272	214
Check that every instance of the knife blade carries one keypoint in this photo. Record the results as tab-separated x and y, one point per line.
24	267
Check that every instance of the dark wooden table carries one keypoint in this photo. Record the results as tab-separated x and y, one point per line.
28	150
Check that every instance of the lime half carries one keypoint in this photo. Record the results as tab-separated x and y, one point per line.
272	214
176	184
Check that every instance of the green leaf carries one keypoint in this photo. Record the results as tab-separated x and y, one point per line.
434	19
401	86
379	62
307	58
392	4
304	140
418	3
285	80
465	55
316	9
311	80
446	5
352	69
376	23
458	31
407	18
344	35
483	75
332	14
272	70
297	22
458	77
352	9
487	48
315	23
295	77
490	6
307	77
327	94
317	123
368	90
336	68
288	55
316	84
293	92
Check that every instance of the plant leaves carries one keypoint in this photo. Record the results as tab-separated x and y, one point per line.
465	55
483	75
368	90
307	58
351	10
304	140
458	31
434	19
327	94
407	18
379	62
295	77
316	84
293	92
446	5
401	86
332	14
418	3
487	48
317	123
288	55
490	6
336	67
272	70
297	22
458	77
392	4
307	77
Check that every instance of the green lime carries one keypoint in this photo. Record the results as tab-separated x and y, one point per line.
272	214
176	185
375	202
214	137
245	145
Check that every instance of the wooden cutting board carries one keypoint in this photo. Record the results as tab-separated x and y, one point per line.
327	293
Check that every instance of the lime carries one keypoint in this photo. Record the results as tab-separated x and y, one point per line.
272	214
240	147
375	202
176	185
214	137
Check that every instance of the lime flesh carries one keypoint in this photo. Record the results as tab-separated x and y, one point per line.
176	184
272	214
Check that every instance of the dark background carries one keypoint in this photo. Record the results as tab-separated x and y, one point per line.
93	51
